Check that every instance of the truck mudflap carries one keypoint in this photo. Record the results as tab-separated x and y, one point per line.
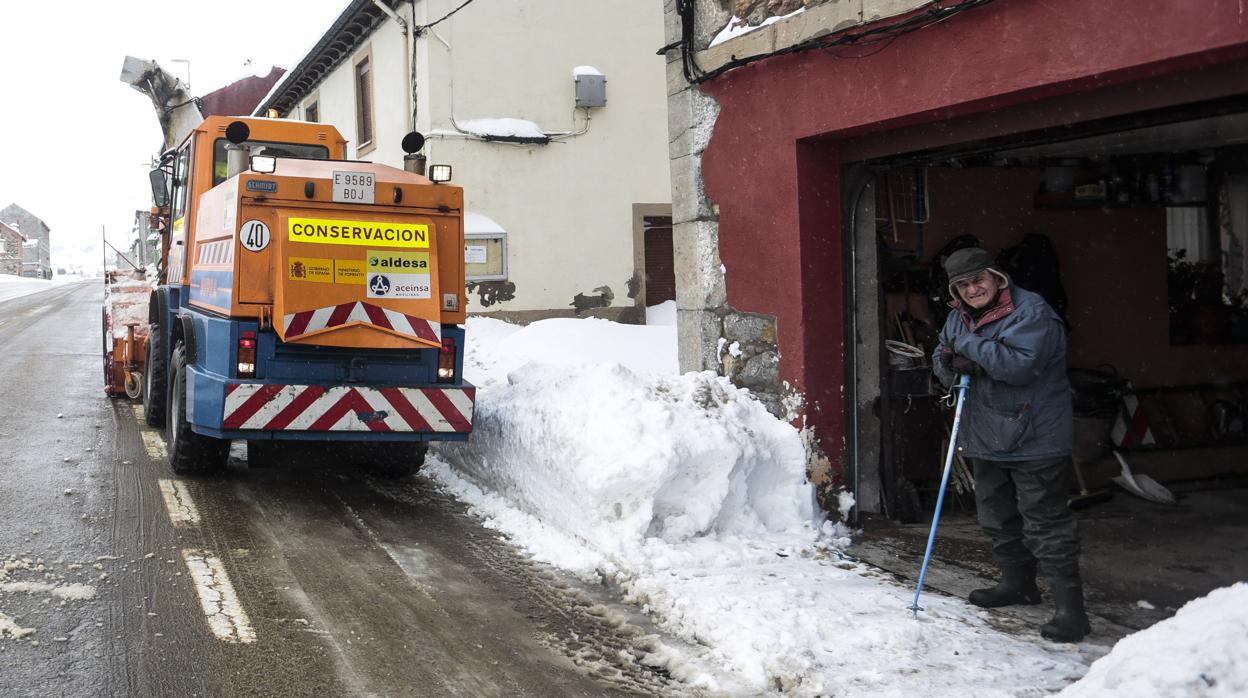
283	407
307	322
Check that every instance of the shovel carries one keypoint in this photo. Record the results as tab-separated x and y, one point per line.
964	382
1142	485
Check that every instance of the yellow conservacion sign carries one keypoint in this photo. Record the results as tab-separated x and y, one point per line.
379	234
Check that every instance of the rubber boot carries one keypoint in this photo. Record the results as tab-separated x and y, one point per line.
1070	622
1017	586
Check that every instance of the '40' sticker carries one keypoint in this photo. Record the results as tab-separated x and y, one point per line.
254	235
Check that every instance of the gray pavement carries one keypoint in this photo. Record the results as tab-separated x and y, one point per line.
121	579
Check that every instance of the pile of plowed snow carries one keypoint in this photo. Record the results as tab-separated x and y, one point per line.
593	454
1201	652
614	455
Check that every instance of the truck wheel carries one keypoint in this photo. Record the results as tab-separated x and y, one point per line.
155	380
394	459
189	453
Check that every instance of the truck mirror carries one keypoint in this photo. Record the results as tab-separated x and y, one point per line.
237	132
412	142
160	190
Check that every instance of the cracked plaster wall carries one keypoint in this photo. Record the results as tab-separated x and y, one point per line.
712	334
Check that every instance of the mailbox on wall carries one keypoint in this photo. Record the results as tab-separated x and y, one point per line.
485	256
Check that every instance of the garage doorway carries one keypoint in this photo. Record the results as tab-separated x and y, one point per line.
1135	230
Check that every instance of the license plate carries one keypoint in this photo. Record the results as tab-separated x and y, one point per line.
354	187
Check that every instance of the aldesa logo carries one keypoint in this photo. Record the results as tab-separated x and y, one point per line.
400	262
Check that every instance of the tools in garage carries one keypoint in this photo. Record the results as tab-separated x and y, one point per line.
1142	485
964	384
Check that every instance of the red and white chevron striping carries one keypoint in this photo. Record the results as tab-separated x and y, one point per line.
276	407
309	321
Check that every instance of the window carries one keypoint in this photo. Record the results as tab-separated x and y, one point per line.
312	112
363	102
220	165
181	181
1207	275
901	196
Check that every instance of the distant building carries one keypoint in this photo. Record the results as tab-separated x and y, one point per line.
564	217
37	263
10	250
35	260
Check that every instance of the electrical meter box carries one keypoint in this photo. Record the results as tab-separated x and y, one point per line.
591	90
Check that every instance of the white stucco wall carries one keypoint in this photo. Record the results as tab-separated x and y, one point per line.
567	206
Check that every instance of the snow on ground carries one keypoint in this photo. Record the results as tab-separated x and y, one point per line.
1201	651
592	453
16	286
662	314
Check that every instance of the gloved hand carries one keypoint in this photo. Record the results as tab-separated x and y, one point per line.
945	359
963	366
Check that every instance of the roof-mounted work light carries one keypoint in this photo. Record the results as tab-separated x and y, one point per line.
439	174
264	164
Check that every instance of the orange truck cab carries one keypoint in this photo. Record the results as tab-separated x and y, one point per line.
304	297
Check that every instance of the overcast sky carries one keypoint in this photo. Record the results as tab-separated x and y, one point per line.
75	141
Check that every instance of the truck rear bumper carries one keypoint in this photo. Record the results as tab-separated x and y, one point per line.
229	408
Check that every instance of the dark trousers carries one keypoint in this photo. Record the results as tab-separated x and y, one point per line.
1022	509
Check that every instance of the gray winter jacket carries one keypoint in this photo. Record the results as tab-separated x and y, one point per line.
1019	407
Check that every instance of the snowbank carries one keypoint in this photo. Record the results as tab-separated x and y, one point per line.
593	454
17	286
615	454
1201	651
616	457
662	314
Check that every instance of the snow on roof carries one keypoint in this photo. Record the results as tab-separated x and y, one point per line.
586	70
501	128
737	26
480	223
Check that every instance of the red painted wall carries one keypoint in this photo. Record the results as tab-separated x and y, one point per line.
779	195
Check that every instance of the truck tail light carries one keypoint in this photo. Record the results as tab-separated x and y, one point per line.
247	354
446	361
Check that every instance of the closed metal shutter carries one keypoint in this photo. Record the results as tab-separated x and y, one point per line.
660	268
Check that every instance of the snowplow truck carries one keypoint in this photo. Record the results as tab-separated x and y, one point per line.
304	297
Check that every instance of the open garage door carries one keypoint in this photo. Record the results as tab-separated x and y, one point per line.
1136	231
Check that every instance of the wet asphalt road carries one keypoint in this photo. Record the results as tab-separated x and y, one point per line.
118	578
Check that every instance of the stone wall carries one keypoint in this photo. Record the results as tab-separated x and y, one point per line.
713	335
10	251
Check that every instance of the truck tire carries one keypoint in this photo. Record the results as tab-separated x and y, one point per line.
155	380
189	453
393	459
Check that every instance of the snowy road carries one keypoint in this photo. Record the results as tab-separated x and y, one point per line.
119	579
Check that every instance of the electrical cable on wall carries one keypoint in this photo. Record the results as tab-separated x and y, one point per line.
935	13
421	30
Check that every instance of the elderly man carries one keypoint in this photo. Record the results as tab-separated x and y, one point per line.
1017	430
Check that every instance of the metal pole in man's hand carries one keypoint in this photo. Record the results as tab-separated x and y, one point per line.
964	382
